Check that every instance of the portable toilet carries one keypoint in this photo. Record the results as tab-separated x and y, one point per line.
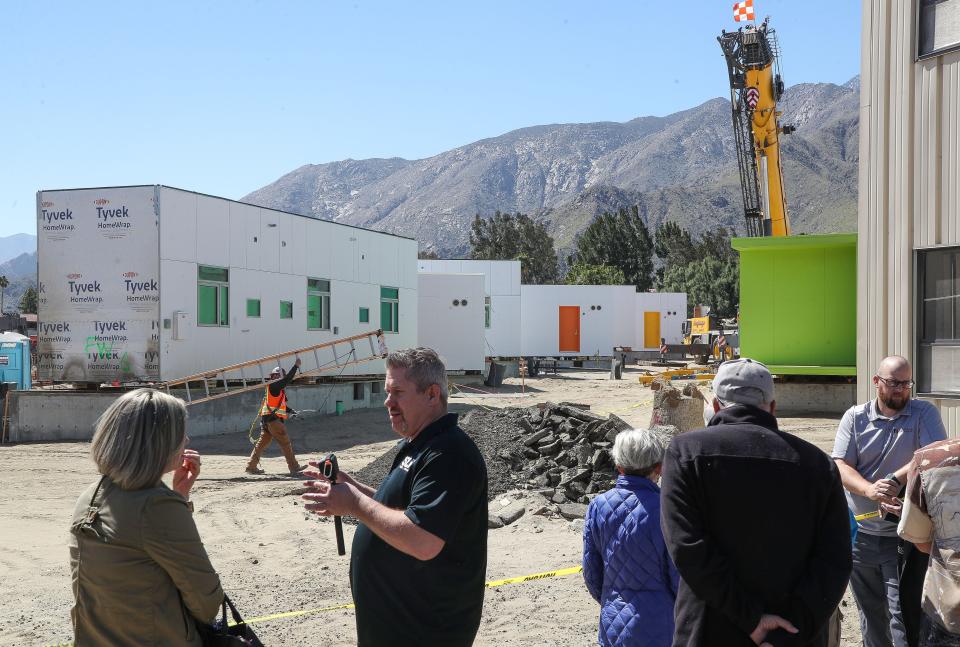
15	360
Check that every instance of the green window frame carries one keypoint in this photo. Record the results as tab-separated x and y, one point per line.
364	315
318	304
213	296
286	309
486	312
253	308
389	309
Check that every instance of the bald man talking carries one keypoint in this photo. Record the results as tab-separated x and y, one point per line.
873	450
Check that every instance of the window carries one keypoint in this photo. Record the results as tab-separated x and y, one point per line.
375	388
938	27
364	315
938	312
286	309
213	296
390	309
486	312
318	304
253	307
359	392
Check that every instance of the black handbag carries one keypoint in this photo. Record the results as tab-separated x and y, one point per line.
222	634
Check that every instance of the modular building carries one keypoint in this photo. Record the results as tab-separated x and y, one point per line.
583	320
451	318
501	284
908	255
152	283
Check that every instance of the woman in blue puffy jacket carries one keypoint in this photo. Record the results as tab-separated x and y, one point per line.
625	562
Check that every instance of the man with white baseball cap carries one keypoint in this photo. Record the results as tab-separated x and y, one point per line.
756	522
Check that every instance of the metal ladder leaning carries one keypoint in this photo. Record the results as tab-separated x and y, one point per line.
249	376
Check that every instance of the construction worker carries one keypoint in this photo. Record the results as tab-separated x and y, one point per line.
273	421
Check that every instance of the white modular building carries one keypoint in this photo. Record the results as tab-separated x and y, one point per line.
451	318
501	281
583	320
153	283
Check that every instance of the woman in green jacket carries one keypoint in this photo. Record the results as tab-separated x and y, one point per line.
140	573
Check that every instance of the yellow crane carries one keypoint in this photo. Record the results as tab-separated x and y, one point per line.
752	54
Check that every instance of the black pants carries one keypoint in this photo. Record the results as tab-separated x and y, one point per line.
933	635
913	570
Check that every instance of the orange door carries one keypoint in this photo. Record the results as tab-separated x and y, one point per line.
569	329
651	330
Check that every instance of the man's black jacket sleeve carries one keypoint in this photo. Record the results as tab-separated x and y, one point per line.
281	384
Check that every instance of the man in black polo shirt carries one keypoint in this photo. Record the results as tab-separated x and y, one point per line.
419	554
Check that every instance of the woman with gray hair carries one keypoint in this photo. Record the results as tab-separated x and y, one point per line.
140	573
625	562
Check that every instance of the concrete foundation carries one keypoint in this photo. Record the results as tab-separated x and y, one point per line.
45	416
804	397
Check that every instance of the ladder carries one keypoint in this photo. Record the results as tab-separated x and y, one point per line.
253	375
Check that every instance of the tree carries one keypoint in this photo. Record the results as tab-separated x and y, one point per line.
674	246
28	302
516	237
716	243
427	255
619	240
4	283
583	274
708	280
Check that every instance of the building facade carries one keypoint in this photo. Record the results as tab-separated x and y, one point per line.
908	255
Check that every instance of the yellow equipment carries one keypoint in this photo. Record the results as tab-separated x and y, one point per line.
752	55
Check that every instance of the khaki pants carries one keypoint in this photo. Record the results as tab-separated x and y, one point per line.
270	431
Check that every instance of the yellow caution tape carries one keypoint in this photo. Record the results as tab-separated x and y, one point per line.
867	515
489	585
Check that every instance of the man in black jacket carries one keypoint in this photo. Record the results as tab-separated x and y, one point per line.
756	522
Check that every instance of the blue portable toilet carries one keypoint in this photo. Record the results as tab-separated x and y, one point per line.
15	360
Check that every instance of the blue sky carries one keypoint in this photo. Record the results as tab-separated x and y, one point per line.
225	97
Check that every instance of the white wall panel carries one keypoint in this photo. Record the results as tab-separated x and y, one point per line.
599	330
269	240
178	224
212	237
454	331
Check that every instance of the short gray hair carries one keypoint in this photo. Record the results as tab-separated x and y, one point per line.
137	436
423	367
638	451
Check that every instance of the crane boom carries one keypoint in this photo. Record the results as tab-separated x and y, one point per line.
752	56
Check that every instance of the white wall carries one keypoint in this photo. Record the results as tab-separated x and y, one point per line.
501	280
672	307
454	331
609	323
272	263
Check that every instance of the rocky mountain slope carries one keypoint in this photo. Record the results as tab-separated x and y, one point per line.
680	167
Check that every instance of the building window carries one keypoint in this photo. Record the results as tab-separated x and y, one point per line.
318	304
286	309
390	309
364	315
375	388
359	392
253	307
213	296
938	311
486	312
938	27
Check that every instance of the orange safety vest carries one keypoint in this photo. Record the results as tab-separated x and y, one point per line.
277	405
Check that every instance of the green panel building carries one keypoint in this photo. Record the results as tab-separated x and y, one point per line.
798	303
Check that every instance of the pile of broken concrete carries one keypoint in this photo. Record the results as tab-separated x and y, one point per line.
563	451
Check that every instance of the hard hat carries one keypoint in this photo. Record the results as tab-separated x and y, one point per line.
276	371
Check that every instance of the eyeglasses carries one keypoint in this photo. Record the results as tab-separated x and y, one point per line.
897	384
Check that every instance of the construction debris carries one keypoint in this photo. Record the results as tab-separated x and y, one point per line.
681	408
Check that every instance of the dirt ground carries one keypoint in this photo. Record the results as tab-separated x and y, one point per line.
273	559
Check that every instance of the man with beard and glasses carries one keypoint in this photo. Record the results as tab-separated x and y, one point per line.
873	450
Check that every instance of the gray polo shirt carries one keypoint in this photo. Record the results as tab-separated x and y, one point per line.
875	446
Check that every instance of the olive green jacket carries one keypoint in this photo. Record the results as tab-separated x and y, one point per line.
140	572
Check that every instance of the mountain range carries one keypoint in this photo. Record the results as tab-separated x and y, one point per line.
681	167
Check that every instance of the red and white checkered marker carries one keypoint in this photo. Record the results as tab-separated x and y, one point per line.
743	11
753	97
